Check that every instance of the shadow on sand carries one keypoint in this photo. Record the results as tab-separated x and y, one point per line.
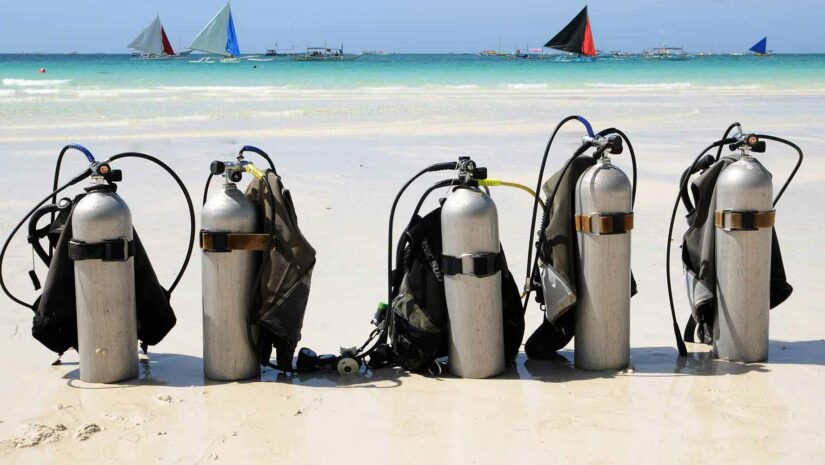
174	370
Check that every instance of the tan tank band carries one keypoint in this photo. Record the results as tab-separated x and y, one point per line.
227	242
733	220
615	223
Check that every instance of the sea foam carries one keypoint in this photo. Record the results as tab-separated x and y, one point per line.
34	82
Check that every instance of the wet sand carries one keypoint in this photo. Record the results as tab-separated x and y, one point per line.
344	156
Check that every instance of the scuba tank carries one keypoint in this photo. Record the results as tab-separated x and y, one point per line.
449	290
581	271
256	272
733	265
604	218
101	294
471	262
228	276
104	274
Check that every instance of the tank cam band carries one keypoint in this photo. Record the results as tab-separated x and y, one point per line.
475	264
733	220
117	250
603	225
226	242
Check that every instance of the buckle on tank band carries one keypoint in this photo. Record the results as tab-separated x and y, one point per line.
473	264
114	250
604	224
211	241
743	220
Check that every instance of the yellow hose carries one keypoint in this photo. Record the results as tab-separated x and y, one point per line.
251	169
499	182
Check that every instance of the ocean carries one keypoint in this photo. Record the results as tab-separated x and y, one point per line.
85	75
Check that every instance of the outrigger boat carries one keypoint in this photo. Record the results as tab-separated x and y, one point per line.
576	39
152	43
218	37
325	54
666	53
760	48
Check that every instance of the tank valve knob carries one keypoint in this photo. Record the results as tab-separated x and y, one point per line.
217	168
480	173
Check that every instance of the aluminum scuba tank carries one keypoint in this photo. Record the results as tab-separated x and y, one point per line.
228	278
472	281
603	221
743	218
104	268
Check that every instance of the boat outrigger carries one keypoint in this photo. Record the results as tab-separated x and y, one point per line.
218	37
152	43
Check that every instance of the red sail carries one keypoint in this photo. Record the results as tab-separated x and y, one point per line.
167	47
588	47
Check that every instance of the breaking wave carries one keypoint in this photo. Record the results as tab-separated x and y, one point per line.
34	82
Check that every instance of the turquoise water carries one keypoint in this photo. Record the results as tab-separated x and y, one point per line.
19	76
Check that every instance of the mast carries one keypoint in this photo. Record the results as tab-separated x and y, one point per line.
576	37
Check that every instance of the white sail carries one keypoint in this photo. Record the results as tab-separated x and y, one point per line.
213	37
149	41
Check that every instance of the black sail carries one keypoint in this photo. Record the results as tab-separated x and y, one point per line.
575	37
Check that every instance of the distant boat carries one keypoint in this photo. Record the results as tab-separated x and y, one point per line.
576	37
666	53
324	54
218	37
152	43
761	48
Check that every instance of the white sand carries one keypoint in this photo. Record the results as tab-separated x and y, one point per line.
344	156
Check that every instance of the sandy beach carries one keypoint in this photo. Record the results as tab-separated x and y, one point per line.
344	154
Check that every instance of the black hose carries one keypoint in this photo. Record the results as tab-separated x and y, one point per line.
730	128
680	344
621	134
795	169
536	202
185	192
75	180
447	166
206	188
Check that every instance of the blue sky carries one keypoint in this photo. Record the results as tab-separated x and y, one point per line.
417	26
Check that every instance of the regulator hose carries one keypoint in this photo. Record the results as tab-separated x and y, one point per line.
189	205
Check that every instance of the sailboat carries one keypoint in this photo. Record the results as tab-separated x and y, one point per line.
575	38
761	48
218	38
152	43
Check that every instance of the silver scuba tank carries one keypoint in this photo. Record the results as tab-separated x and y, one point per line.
472	283
744	218
104	269
603	220
227	279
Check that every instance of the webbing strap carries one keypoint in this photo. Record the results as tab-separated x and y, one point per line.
117	250
604	224
742	220
476	264
211	241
